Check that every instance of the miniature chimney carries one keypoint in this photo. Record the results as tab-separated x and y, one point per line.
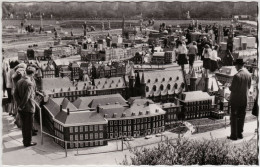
68	111
98	108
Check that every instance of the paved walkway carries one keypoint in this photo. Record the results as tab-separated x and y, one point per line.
51	154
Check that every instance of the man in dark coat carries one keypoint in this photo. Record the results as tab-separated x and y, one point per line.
240	85
24	95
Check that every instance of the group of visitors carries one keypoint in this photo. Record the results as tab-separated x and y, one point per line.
19	83
187	53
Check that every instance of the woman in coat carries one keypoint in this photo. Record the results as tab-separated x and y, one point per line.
214	59
206	54
182	55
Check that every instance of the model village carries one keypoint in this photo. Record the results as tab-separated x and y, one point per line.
131	84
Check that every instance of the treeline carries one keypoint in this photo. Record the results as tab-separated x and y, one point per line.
134	10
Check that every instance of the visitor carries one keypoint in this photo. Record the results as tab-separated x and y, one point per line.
239	88
193	50
214	59
85	28
182	55
206	54
188	37
199	46
24	95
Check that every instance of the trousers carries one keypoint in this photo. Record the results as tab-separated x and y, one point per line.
237	121
27	126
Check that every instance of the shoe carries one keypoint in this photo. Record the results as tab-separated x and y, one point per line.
240	136
31	144
231	138
34	134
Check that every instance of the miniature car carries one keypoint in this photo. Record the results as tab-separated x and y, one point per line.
148	137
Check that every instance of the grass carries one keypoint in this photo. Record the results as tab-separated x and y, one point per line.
218	123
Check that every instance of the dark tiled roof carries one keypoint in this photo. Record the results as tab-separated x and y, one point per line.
53	83
80	118
93	101
196	96
53	105
110	83
165	81
135	111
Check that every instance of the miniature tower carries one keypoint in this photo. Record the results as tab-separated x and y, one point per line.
193	80
142	86
206	81
131	82
137	84
123	26
230	40
220	34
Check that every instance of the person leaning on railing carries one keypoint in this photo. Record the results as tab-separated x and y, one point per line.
24	95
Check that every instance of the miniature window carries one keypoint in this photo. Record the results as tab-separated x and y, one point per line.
175	85
177	78
170	78
96	127
91	136
81	128
100	127
71	129
147	89
101	135
182	85
161	87
148	81
86	136
163	79
156	80
86	128
129	121
168	86
76	129
81	137
90	128
154	88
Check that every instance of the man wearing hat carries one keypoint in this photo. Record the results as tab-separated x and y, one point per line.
240	85
24	96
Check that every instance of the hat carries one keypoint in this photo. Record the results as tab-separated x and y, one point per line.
239	61
31	69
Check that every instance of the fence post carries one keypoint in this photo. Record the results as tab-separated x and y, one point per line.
225	122
77	147
122	144
66	154
41	125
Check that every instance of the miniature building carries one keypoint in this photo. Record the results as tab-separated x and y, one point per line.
48	70
22	55
161	86
90	121
113	70
74	68
225	74
113	85
196	104
172	112
158	58
79	128
141	117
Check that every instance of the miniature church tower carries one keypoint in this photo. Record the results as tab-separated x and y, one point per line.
193	80
131	82
142	86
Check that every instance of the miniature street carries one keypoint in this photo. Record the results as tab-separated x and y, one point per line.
51	154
